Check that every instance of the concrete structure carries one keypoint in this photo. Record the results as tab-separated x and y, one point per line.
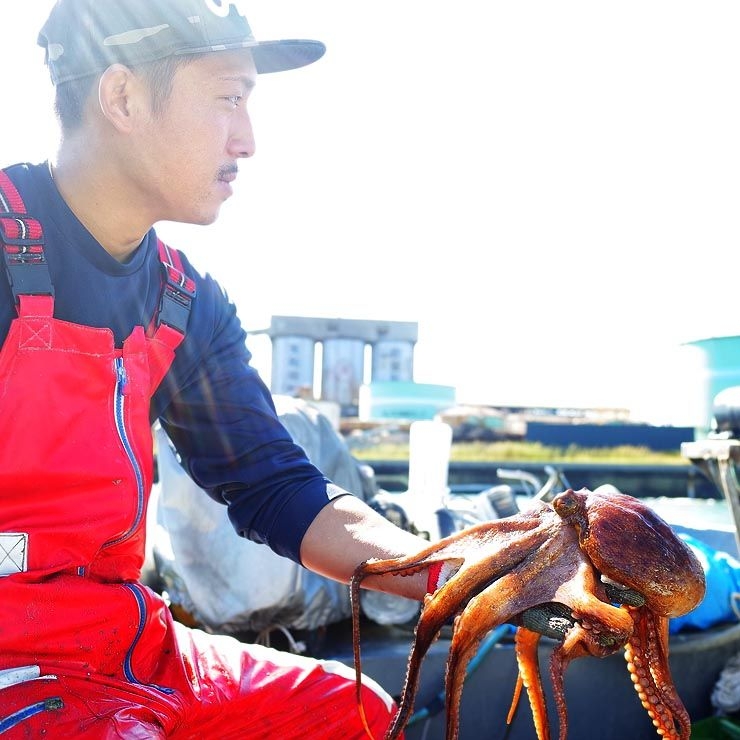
344	345
295	356
392	361
343	369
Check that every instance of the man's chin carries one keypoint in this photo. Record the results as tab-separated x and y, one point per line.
204	218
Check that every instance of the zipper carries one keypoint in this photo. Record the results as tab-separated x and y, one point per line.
128	670
119	407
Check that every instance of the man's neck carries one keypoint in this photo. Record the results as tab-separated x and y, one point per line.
97	199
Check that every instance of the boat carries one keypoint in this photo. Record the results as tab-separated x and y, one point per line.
600	696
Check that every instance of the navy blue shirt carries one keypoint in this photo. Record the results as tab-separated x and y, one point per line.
212	403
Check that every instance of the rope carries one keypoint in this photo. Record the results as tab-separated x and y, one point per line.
735	603
726	692
437	702
295	646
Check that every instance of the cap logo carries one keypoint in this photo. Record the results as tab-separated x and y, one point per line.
55	52
134	36
221	8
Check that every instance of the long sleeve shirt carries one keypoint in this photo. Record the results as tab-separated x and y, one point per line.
212	403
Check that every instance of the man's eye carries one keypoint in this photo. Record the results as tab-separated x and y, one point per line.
234	99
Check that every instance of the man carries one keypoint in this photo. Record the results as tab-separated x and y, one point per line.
105	330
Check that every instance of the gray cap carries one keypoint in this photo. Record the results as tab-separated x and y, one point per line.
84	37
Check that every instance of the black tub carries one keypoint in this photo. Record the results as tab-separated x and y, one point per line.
602	702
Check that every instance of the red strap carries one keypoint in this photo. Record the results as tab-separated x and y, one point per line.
35	306
439	573
433	576
15	223
178	291
22	240
10	198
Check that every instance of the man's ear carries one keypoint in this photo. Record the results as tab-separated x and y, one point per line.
118	96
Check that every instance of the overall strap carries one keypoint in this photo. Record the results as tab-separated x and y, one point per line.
178	291
22	240
168	326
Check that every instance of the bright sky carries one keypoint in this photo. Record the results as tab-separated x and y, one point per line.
551	190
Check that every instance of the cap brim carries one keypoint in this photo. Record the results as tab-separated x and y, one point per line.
279	56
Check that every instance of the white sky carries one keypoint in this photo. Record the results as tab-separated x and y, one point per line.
550	189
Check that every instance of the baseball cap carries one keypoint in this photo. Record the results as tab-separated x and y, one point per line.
84	37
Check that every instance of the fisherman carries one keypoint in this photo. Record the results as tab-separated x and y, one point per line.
105	329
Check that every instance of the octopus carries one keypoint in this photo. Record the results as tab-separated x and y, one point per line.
597	570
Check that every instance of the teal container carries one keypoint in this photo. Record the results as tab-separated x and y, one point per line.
404	400
720	360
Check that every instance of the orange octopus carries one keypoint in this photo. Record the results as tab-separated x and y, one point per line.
597	569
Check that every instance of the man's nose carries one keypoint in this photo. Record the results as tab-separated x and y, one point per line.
242	142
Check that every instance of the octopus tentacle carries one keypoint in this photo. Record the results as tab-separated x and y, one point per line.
647	661
526	643
355	603
493	545
439	608
503	601
430	623
571	648
480	616
428	628
600	629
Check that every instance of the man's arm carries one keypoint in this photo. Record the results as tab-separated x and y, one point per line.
346	532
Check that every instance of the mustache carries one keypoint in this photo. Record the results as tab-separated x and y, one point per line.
227	171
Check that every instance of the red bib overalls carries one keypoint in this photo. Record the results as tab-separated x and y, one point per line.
86	651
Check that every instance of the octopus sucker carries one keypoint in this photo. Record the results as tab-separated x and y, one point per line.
598	571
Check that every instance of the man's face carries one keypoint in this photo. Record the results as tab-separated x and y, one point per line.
193	144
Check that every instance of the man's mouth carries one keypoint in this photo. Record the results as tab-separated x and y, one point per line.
227	174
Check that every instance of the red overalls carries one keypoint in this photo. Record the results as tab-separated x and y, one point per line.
86	651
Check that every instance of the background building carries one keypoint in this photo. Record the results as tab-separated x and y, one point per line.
332	359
